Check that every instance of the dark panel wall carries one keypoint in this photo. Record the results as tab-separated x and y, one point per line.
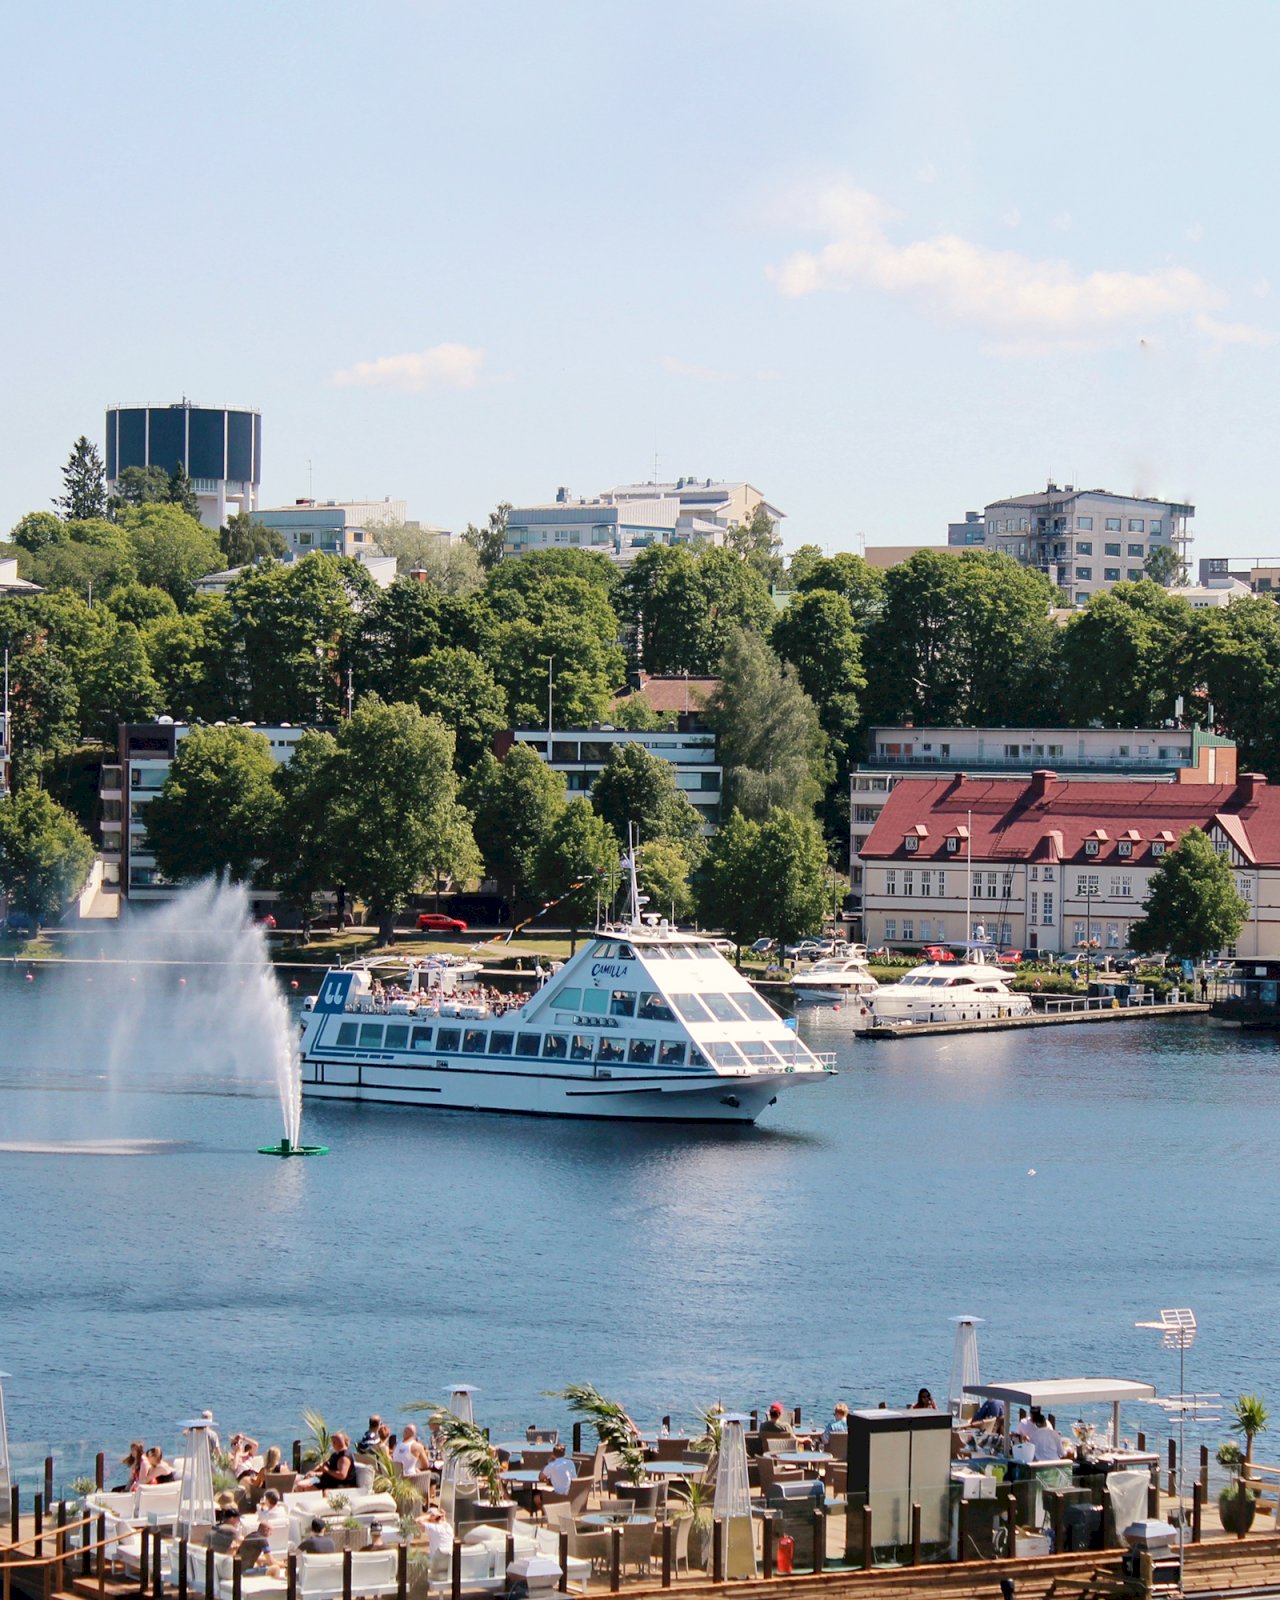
168	437
240	446
111	443
207	445
132	445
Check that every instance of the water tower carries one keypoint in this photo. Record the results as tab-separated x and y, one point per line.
221	447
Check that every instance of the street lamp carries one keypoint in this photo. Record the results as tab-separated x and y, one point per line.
1178	1326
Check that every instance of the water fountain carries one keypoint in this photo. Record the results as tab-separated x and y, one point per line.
231	1020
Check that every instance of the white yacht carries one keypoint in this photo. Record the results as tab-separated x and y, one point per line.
836	977
643	1024
971	989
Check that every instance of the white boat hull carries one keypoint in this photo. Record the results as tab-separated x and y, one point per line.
977	1008
635	1097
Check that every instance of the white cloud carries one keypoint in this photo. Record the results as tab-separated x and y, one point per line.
451	366
691	369
1238	333
1003	290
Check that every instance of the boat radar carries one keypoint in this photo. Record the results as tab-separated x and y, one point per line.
287	1148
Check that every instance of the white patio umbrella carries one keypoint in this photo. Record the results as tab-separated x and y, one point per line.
732	1503
964	1361
6	1477
457	1475
195	1496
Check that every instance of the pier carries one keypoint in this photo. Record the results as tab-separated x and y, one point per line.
1070	1011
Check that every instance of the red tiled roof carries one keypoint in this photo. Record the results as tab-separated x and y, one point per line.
674	694
1049	818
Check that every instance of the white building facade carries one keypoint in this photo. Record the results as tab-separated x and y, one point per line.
581	755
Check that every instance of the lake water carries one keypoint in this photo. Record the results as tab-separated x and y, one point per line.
1062	1183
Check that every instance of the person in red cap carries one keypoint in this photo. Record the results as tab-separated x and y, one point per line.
777	1424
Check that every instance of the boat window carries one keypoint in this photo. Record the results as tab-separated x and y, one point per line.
704	952
347	1032
595	1002
500	1043
689	1008
582	1048
370	1035
755	1050
672	1053
527	1044
725	1055
447	1038
555	1046
721	1008
474	1041
422	1038
397	1036
939	983
604	950
682	952
788	1048
610	1050
653	1008
626	953
754	1007
696	1057
566	999
640	1052
655	952
622	1003
959	982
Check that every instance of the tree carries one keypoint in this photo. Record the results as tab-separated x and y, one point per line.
1164	566
43	702
1232	656
243	541
856	579
301	857
452	565
84	483
765	877
634	714
93	555
218	808
181	493
140	603
729	894
190	656
1192	906
818	636
117	684
138	486
663	871
37	530
401	624
520	625
514	804
394	811
803	561
1120	659
638	787
757	543
456	686
771	743
45	856
489	542
171	549
684	607
580	850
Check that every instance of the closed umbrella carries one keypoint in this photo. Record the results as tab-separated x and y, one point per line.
964	1362
732	1503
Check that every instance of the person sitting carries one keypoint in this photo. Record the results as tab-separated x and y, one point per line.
272	1511
410	1454
157	1469
244	1455
225	1536
924	1402
337	1471
375	1537
777	1425
370	1438
439	1535
559	1472
134	1464
318	1542
839	1422
1040	1433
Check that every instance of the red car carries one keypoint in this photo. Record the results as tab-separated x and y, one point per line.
437	922
938	952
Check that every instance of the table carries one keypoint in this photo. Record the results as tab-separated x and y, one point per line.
521	1475
612	1519
675	1469
802	1458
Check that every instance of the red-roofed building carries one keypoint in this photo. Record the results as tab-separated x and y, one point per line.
684	695
1044	863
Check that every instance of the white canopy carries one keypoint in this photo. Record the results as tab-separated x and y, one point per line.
1058	1394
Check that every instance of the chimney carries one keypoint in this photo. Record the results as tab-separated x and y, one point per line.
562	496
1247	786
420	575
1039	785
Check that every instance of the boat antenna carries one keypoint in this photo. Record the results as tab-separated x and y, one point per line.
968	880
630	863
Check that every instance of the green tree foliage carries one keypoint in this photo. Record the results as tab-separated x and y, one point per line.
771	742
1120	658
218	808
637	787
394	812
803	561
139	486
857	580
634	714
581	848
452	565
568	618
44	706
961	639
140	603
401	624
525	576
37	530
684	607
818	636
45	856
181	493
488	542
95	556
457	686
1192	907
171	550
757	543
767	877
300	859
1233	656
116	684
84	486
189	656
663	871
243	541
514	804
1164	566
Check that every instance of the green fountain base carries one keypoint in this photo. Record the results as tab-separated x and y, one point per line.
285	1148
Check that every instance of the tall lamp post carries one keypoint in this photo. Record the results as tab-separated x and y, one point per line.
1178	1326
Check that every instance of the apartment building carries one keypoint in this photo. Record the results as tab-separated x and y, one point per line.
1046	862
1084	540
341	527
1157	755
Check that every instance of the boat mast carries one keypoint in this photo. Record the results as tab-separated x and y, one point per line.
632	846
968	880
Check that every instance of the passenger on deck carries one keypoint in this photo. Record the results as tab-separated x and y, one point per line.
777	1425
318	1542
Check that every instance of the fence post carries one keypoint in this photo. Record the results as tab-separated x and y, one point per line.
15	1517
402	1573
866	1537
208	1572
1197	1511
48	1481
1173	1466
157	1568
144	1565
819	1539
1153	1500
1204	1468
577	1438
1011	1524
86	1539
564	1558
766	1544
455	1577
615	1558
38	1542
100	1470
717	1551
346	1575
60	1543
915	1535
102	1555
962	1528
509	1552
237	1577
182	1569
755	1422
795	1417
668	1550
291	1577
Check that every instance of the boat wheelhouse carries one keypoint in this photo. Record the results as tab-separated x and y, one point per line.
645	1023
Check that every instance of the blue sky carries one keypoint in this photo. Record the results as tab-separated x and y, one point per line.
886	261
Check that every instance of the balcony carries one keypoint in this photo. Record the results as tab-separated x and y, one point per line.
110	782
970	761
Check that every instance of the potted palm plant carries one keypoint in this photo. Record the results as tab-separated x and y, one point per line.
467	1445
388	1479
614	1428
1237	1503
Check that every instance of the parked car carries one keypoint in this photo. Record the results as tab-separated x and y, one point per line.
806	950
19	922
1009	958
726	947
437	922
937	952
764	947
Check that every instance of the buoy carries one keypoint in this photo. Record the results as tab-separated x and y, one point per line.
31	977
182	981
1031	1172
293	983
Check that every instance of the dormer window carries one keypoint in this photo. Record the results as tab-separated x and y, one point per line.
953	844
912	843
1157	849
1126	847
1091	847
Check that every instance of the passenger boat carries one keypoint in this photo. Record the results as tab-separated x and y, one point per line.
836	977
972	989
644	1024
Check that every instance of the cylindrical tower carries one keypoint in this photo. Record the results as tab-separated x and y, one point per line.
221	447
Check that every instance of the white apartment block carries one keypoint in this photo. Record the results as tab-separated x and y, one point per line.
340	527
581	756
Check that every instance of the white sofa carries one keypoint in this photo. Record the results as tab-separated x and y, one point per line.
373	1572
527	1541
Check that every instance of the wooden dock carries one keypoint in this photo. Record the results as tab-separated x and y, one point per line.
1040	1019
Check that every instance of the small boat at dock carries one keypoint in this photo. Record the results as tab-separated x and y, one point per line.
972	989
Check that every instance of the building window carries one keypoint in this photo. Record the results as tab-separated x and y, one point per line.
890	929
1135	550
1135	574
1126	847
1006	883
1012	751
911	843
1157	526
1111	575
1126	887
1047	908
1110	549
1136	525
1082	599
942	884
1113	935
1035	904
1084	522
1035	875
1084	547
926	884
304	537
1157	849
1244	887
908	928
1091	847
909	885
953	845
891	882
1084	574
1113	524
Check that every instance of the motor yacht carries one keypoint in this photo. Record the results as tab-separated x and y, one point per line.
971	989
836	977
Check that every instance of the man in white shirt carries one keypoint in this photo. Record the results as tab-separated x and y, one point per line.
559	1472
1037	1430
409	1455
